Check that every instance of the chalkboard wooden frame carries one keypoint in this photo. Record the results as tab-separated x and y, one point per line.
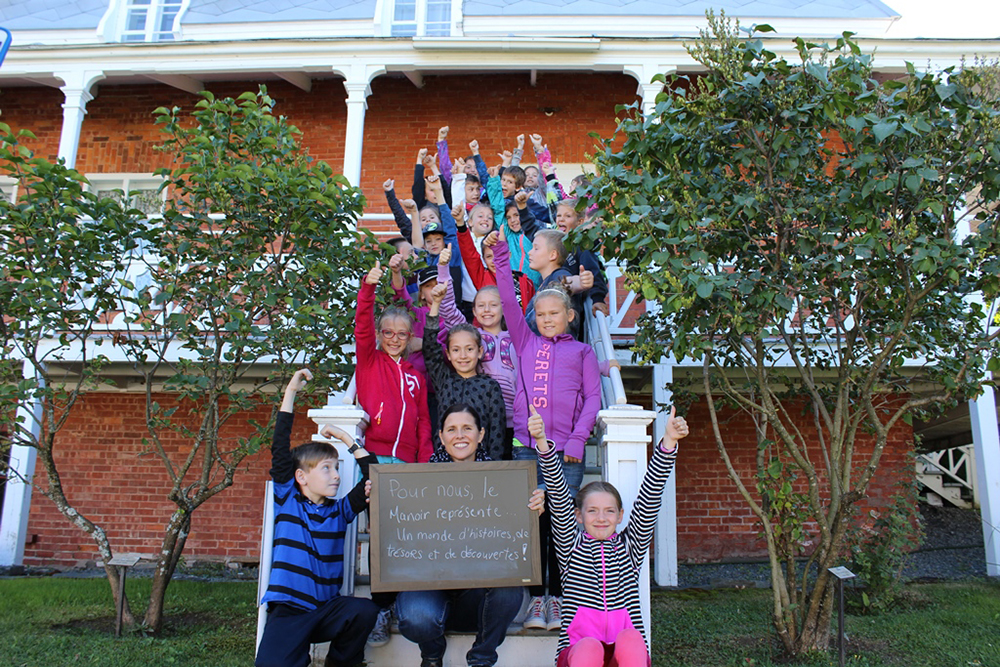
516	479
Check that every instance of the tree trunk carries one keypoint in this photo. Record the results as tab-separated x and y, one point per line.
171	549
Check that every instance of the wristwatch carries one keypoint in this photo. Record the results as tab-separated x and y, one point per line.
354	447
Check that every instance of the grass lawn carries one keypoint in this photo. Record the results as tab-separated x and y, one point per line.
950	625
56	622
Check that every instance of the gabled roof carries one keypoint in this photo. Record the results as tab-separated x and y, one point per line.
756	8
256	11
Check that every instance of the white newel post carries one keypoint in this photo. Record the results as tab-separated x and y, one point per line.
17	493
986	440
624	439
665	539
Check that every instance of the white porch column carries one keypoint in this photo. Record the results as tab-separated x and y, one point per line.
623	459
77	89
986	439
665	540
17	493
648	90
357	104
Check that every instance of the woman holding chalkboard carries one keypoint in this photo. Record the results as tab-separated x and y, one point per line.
601	614
424	616
461	381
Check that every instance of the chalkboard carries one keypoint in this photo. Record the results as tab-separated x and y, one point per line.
437	526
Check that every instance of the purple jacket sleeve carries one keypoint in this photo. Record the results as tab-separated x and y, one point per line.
450	315
577	441
444	161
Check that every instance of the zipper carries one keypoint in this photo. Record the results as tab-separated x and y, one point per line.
402	400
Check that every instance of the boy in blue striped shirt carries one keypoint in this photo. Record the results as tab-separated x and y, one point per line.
307	569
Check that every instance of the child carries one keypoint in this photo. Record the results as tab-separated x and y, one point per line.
548	257
461	382
601	615
390	390
559	377
303	596
483	276
568	219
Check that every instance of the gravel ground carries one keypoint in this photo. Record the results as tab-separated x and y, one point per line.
952	549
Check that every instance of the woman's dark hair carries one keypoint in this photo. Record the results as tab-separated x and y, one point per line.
596	487
455	408
467	328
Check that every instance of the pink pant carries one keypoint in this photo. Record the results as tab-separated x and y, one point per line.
629	650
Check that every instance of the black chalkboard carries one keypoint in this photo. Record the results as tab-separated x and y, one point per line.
436	526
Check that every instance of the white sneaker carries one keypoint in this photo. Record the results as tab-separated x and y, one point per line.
380	633
553	607
535	619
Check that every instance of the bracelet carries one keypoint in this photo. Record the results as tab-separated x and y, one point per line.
550	177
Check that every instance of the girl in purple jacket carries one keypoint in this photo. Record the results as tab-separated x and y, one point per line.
559	377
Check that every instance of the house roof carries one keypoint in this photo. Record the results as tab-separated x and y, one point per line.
87	14
756	8
51	14
256	11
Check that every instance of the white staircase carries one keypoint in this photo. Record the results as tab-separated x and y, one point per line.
617	453
949	476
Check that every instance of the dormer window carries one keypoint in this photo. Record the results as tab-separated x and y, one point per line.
150	20
430	18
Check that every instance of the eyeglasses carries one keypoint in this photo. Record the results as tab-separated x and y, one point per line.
391	335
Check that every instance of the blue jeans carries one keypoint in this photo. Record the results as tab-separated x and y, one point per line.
425	615
572	472
344	621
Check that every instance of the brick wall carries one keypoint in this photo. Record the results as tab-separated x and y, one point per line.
118	133
108	478
714	521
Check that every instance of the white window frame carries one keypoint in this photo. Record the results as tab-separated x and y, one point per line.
119	13
128	182
419	23
9	187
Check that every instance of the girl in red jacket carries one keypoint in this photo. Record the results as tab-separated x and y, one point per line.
390	390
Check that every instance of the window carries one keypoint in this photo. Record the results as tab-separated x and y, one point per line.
431	18
150	20
8	189
143	189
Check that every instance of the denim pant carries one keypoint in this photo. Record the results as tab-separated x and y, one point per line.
344	621
425	615
573	473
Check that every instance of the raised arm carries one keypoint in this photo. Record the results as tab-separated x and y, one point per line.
282	464
398	214
564	530
642	520
364	316
444	159
417	190
520	333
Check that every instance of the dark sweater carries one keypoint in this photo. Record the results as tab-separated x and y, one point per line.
480	391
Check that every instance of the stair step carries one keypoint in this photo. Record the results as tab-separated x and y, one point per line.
533	648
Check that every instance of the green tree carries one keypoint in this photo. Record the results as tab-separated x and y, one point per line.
63	252
249	275
799	226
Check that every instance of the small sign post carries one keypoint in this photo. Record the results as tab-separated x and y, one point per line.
842	574
123	562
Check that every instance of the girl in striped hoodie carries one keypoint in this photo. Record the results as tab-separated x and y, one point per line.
601	615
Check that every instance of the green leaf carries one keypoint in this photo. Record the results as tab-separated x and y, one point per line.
884	129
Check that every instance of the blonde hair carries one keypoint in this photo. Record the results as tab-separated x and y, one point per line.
554	241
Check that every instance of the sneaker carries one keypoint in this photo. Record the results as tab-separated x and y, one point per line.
380	633
428	662
535	620
553	607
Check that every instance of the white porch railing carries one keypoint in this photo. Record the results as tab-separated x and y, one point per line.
947	472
